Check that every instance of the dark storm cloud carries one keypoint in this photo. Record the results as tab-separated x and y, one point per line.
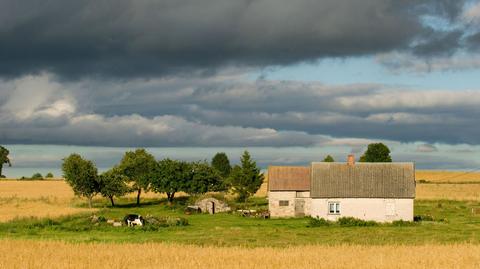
146	38
230	111
439	44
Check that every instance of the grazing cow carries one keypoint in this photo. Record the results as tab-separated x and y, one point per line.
133	220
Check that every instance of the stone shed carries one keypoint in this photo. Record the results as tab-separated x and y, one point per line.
212	205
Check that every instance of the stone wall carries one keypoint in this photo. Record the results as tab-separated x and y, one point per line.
277	210
212	205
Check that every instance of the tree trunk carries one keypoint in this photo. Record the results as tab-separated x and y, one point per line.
90	201
170	196
1	167
111	200
138	196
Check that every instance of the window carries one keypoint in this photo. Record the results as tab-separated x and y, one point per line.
333	207
283	203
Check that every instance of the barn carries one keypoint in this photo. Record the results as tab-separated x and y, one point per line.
382	192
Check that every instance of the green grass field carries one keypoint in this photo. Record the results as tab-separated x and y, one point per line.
453	222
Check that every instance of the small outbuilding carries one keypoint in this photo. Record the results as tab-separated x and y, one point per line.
212	205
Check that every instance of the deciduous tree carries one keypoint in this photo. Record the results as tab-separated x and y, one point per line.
171	176
205	179
113	184
138	167
4	159
81	175
376	153
221	162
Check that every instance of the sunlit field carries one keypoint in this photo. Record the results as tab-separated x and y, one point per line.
448	191
62	231
434	176
28	254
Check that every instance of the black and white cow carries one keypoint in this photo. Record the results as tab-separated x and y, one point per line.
133	220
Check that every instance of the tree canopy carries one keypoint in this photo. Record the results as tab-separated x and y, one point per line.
221	162
328	159
4	159
113	183
205	178
376	153
81	175
138	166
170	177
245	179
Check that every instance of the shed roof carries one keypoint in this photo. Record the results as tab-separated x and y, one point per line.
288	178
363	180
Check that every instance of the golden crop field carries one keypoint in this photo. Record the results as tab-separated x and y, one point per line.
43	198
447	176
448	191
45	254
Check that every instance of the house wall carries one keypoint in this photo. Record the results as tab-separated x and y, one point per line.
299	203
377	209
274	198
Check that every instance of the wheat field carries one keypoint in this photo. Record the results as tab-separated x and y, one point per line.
47	254
447	176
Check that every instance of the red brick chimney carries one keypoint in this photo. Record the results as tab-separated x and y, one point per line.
351	159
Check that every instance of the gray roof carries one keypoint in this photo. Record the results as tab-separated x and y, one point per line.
363	180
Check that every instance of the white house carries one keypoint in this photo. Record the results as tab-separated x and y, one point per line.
381	192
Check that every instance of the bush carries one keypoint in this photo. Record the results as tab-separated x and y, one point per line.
165	221
403	223
423	218
49	175
37	176
351	221
318	222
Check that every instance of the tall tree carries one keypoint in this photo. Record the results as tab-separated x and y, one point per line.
81	175
205	178
113	183
329	159
138	166
4	159
221	162
171	176
376	153
246	179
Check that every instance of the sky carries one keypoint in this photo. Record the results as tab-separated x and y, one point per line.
290	81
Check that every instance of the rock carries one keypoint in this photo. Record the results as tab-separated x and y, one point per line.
117	224
110	221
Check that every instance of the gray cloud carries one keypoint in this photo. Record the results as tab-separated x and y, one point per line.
146	38
426	148
230	111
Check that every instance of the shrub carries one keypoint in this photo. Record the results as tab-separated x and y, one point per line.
351	221
318	222
49	175
423	218
37	176
403	223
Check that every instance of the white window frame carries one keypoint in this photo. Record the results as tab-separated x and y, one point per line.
336	208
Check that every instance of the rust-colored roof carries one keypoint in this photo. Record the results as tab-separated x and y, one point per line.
363	180
288	178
